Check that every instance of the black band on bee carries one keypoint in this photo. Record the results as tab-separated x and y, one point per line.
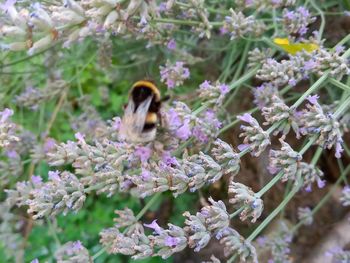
143	89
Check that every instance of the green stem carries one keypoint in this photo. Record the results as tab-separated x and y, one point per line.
53	232
323	20
343	107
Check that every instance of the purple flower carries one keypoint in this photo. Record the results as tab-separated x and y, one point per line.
5	114
146	175
289	15
246	117
292	82
173	118
205	85
49	145
116	123
7	5
338	150
171	241
224	88
12	154
144	153
80	137
339	49
35	261
242	147
36	179
313	99
54	175
154	226
171	44
168	159
321	183
199	134
310	64
174	75
76	246
211	118
184	132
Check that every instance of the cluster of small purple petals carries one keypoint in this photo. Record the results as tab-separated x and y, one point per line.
255	138
257	56
72	252
40	150
226	157
32	97
338	255
168	241
286	160
11	167
345	198
296	22
7	128
213	94
198	10
311	174
305	215
173	75
62	193
279	111
235	244
244	196
238	25
314	120
263	95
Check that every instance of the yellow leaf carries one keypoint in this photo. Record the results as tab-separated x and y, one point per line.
293	48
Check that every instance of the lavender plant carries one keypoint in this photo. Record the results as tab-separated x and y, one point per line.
67	162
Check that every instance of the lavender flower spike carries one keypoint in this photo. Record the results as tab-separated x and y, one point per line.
254	136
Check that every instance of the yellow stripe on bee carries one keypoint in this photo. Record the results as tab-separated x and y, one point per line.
293	48
151	117
148	84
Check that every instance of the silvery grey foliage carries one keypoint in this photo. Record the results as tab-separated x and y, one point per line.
314	121
244	196
255	138
72	252
62	193
32	97
305	215
238	25
256	57
133	242
345	198
278	111
226	157
286	160
234	243
7	128
296	22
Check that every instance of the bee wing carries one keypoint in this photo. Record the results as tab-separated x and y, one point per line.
133	122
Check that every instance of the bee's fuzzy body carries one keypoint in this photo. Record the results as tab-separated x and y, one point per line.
141	117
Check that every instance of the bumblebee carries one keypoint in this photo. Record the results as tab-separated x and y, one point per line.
142	112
